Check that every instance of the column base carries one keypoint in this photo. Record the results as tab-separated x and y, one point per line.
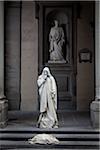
3	113
94	112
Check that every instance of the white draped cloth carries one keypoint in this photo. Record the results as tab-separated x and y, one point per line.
44	139
48	100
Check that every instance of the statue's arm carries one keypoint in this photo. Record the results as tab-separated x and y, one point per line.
54	92
50	37
63	36
61	39
40	81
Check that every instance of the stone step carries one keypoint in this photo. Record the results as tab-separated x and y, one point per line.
63	145
25	136
47	149
58	130
70	138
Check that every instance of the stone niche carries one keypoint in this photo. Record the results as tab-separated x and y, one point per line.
63	16
63	71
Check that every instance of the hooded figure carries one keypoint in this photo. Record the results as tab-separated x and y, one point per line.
48	100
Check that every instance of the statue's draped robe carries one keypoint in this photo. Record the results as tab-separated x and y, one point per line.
56	38
48	102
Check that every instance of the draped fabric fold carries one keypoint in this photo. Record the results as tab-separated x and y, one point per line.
48	100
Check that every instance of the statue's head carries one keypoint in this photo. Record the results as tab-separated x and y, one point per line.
46	71
56	23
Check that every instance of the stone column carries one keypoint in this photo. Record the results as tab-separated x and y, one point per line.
3	101
94	107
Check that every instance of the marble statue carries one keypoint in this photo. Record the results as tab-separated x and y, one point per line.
44	139
48	100
56	39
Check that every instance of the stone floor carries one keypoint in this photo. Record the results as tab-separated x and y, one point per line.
75	132
66	119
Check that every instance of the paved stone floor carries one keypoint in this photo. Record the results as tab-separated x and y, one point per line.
66	119
75	131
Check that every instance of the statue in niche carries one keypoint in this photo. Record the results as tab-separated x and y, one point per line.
48	100
56	39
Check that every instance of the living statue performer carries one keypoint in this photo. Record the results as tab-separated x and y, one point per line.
48	100
56	39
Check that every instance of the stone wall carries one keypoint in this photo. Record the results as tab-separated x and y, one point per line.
29	57
85	71
1	49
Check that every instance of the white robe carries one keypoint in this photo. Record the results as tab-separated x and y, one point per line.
48	101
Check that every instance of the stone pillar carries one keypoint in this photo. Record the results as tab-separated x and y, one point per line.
3	101
94	107
29	57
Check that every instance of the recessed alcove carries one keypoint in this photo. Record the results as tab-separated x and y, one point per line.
64	18
63	70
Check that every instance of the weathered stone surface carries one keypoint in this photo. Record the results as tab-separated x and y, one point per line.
29	57
94	109
3	113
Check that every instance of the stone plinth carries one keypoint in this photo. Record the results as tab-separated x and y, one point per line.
57	61
3	113
94	109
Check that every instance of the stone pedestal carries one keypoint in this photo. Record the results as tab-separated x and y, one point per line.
94	107
3	112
